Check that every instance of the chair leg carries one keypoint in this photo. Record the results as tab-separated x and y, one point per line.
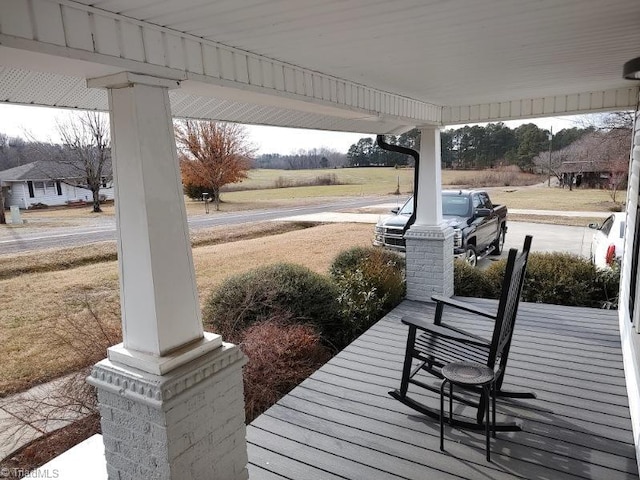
485	393
450	403
493	402
442	415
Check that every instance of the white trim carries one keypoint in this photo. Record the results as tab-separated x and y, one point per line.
148	49
162	365
128	79
574	104
630	341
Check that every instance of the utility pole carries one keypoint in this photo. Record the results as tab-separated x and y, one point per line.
550	141
3	219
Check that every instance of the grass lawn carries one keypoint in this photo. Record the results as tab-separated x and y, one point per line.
352	181
45	296
42	311
545	198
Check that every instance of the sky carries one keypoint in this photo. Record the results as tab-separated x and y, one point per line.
40	123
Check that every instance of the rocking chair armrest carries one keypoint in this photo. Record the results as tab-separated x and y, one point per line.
445	331
418	323
463	306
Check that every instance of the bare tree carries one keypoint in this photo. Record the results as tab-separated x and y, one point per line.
87	151
605	149
68	399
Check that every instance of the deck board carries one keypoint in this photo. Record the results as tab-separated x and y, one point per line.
341	423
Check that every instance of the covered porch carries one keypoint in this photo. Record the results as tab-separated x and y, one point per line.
341	422
170	394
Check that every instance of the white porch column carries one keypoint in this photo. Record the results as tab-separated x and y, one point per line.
429	241
170	396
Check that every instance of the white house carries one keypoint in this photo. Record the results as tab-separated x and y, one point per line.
49	183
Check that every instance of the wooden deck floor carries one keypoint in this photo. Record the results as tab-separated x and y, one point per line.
342	424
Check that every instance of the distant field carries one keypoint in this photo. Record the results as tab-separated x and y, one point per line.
258	192
353	181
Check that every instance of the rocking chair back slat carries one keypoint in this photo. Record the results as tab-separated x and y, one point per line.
509	301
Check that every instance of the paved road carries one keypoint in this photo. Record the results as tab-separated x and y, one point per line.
104	229
547	237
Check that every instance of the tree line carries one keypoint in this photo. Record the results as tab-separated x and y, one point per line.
302	160
471	147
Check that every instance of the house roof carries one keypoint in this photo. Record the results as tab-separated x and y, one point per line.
587	166
359	65
45	170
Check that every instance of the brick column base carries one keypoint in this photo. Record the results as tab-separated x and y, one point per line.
429	261
187	424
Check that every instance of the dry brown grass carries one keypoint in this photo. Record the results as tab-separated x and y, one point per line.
314	248
545	198
59	259
499	177
35	305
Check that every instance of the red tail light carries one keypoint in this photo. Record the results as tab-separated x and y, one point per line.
611	254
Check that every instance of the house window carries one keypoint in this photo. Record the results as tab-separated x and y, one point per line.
49	186
30	187
38	189
58	187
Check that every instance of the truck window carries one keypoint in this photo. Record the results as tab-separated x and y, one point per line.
452	205
455	205
407	208
486	203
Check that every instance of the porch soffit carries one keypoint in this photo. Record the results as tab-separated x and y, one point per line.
361	65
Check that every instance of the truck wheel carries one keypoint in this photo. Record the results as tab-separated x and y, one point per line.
498	243
470	255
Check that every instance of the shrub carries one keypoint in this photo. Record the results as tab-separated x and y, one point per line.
280	357
371	282
499	177
565	279
195	192
326	179
289	291
555	278
384	270
469	281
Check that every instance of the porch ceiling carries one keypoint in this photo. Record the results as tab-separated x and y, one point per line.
360	65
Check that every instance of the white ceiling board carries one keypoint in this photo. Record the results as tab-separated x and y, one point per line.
445	52
385	63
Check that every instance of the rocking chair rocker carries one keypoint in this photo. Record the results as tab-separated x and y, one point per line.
435	345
